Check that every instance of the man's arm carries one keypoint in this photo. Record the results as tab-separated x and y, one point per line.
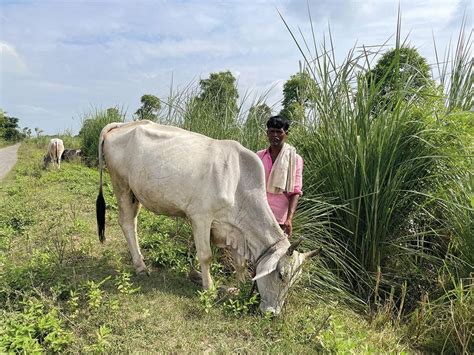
293	202
294	197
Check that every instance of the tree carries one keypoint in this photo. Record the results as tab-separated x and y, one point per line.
9	129
38	131
27	132
400	71
213	111
299	93
149	108
258	115
254	136
219	93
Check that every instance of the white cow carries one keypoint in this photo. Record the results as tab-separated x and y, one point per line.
218	185
55	151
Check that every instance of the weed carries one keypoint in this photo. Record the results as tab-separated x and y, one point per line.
103	335
95	295
33	330
208	298
123	283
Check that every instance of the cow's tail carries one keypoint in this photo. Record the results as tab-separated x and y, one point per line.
55	152
100	202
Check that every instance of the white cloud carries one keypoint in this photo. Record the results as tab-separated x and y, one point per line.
10	60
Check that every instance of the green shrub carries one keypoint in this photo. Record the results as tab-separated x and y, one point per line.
445	324
34	329
91	127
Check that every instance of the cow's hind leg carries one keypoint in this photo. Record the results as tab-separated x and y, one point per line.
202	240
128	212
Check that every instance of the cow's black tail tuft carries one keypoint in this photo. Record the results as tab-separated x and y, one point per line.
100	202
100	212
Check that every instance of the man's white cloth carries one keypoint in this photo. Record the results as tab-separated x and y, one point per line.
282	176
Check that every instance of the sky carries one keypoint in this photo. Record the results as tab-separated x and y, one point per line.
62	59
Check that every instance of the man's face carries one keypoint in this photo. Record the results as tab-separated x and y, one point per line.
276	136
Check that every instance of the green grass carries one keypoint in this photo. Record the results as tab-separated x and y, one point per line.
79	298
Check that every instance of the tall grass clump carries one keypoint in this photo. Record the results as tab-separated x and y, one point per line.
402	197
92	125
455	71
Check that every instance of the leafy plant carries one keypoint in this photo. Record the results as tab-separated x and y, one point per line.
95	295
103	343
34	329
124	285
208	298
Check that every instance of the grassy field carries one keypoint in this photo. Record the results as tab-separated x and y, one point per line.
62	291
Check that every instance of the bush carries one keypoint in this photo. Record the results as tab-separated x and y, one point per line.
91	127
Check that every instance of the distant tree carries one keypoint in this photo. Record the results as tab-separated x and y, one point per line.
299	93
114	114
254	129
9	129
258	115
27	132
219	93
38	131
214	110
149	108
401	72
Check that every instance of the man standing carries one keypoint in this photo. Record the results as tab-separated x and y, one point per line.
283	173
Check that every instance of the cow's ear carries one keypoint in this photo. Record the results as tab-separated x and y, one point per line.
267	265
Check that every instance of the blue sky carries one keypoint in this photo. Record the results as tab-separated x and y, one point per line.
61	58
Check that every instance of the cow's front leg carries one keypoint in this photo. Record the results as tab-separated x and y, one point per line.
202	240
128	212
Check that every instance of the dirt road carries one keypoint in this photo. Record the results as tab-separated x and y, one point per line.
8	158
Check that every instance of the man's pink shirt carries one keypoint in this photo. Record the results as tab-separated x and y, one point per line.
279	202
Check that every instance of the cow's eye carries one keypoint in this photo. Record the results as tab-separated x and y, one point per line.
280	275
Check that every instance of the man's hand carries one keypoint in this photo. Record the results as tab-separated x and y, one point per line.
288	227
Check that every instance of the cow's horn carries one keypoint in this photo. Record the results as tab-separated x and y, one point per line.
310	254
293	246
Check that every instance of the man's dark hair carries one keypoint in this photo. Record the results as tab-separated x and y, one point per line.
278	122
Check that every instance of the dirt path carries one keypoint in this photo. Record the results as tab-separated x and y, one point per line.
8	158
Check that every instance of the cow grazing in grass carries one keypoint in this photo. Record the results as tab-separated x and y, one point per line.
55	151
218	184
71	154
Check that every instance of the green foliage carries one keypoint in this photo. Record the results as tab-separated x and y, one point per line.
103	342
9	130
208	298
34	329
95	294
245	303
445	323
124	284
456	71
299	93
213	112
149	108
400	73
91	127
371	148
163	251
254	133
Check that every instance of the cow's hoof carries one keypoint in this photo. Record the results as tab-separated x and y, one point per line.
226	292
195	276
142	270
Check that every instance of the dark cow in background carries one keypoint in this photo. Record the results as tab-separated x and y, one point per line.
71	154
55	151
217	184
